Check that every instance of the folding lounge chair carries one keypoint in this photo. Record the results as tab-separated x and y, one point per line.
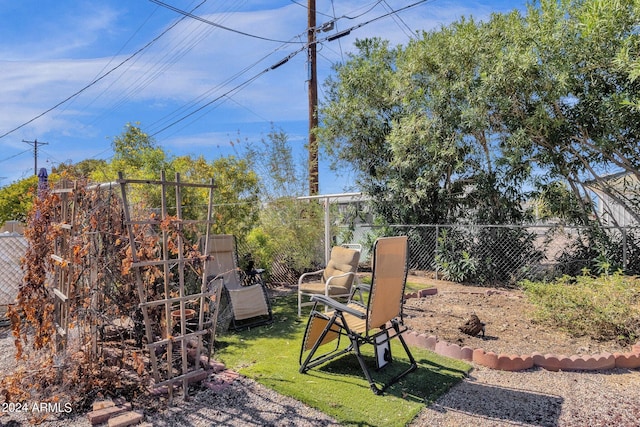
376	322
336	279
250	304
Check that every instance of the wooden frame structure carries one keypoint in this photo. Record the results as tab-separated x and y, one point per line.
63	273
175	355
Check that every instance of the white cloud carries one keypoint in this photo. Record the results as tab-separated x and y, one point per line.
191	65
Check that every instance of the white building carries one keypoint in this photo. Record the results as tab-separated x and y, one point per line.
618	199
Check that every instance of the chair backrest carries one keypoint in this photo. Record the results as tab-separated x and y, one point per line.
388	280
343	260
222	248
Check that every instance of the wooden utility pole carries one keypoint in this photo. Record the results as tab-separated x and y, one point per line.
35	144
313	100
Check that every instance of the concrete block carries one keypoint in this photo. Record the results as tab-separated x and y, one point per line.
427	292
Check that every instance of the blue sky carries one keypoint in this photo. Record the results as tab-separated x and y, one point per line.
194	86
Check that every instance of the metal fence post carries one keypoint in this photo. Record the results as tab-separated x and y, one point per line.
435	255
624	249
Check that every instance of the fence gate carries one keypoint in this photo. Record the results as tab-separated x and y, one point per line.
178	315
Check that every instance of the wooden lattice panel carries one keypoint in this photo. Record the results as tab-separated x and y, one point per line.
187	315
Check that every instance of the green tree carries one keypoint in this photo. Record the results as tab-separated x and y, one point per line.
287	236
82	169
236	191
136	154
16	199
467	121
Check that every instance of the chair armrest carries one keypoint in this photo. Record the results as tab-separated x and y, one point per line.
338	306
363	287
337	276
311	273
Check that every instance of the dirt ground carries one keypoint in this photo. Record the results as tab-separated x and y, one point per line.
506	313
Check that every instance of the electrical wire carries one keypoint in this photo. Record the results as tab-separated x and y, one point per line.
400	24
168	60
333	9
204	95
15	155
206	21
226	94
93	82
114	57
242	85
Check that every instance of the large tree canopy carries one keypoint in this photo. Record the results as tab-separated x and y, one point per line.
469	121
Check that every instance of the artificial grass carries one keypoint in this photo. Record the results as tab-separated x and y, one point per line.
269	355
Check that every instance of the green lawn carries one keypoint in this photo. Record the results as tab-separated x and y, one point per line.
269	355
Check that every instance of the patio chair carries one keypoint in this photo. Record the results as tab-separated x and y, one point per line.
335	280
248	298
375	322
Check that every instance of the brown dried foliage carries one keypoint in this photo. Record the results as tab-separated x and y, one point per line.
102	288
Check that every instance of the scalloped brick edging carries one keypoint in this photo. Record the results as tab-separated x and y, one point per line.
506	362
512	362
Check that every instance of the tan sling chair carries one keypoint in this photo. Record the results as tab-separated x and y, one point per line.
250	304
335	280
376	322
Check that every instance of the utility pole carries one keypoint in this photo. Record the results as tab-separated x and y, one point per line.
35	144
313	99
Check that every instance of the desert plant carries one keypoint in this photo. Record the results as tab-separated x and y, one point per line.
604	307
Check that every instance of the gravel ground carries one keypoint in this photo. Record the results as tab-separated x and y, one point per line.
538	398
486	398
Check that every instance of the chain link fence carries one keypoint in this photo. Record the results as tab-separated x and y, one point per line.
503	255
487	255
12	248
490	255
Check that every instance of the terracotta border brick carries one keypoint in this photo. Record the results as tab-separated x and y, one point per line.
514	363
126	419
102	415
627	360
507	362
481	357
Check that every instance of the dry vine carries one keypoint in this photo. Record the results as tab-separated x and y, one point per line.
113	360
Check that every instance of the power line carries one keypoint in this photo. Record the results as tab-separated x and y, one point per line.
15	155
240	86
236	88
206	21
400	24
282	62
92	83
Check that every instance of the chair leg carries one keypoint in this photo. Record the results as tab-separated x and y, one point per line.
355	345
412	362
311	361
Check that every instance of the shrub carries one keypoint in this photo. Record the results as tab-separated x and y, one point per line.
602	251
605	307
495	256
453	259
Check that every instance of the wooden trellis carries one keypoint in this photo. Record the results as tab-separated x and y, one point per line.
175	354
63	272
